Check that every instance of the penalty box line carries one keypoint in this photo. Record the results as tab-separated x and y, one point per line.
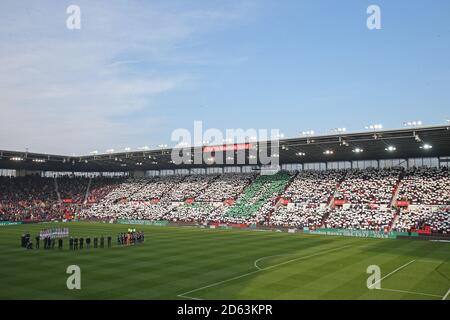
185	294
404	291
446	295
411	292
391	273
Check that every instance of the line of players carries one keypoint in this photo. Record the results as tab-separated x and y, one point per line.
78	244
130	237
74	243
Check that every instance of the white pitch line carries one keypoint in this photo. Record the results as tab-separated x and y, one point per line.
446	295
430	261
293	254
192	298
411	292
220	282
389	274
305	257
277	255
256	271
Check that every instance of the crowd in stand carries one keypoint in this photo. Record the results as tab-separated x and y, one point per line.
360	217
101	187
198	213
152	188
437	218
127	211
369	186
190	187
228	186
313	186
298	216
35	198
26	198
73	188
134	199
241	198
428	186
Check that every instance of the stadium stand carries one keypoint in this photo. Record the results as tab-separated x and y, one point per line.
298	216
426	186
301	199
360	217
370	186
263	189
314	186
438	219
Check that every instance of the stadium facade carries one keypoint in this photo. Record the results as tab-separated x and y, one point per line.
427	145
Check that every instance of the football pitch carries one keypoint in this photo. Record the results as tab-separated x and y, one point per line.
194	263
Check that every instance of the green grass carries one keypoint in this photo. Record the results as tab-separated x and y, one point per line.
220	264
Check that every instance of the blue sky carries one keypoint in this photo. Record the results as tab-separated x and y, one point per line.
137	70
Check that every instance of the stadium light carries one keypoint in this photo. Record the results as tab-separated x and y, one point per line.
391	148
328	152
127	149
110	151
358	150
374	127
39	160
426	146
181	144
308	133
275	155
94	152
412	123
338	130
301	154
16	159
162	146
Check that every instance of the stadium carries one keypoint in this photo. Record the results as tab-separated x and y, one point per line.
208	156
322	220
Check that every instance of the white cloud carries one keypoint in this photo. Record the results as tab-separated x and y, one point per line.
66	91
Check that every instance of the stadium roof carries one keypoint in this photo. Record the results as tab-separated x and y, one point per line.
404	143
